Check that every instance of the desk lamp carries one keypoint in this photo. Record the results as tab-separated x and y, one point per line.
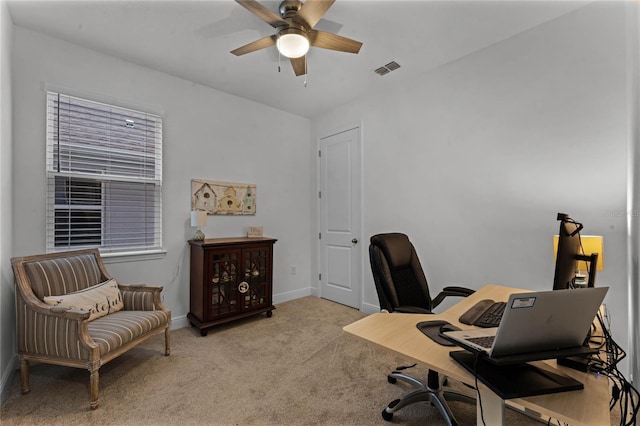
199	219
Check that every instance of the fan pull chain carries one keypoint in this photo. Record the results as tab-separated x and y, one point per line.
278	60
305	70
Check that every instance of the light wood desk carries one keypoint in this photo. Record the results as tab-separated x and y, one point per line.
398	333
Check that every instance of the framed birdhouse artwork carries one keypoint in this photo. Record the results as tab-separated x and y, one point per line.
224	198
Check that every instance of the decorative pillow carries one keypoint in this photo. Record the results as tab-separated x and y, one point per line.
100	299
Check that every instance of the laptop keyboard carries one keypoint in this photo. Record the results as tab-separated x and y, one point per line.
485	342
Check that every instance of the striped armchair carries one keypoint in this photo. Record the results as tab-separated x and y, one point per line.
65	336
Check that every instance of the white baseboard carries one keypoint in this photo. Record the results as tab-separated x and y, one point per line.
182	321
368	308
179	322
7	376
292	295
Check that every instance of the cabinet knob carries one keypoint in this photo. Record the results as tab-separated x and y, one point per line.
243	287
354	241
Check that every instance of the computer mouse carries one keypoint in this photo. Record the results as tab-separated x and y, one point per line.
448	327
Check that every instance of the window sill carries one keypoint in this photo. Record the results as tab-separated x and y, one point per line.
133	256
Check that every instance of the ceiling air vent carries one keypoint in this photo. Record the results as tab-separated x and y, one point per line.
382	71
386	69
392	66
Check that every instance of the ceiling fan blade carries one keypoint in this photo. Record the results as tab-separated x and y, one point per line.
256	45
299	65
332	41
312	11
263	12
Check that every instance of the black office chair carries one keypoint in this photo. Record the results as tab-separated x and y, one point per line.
402	287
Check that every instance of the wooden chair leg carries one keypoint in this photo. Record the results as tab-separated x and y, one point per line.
94	389
167	342
24	375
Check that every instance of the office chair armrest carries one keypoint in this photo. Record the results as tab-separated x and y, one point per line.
451	291
412	310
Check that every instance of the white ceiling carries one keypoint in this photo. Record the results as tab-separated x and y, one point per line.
192	40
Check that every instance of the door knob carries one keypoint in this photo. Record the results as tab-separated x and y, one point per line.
354	241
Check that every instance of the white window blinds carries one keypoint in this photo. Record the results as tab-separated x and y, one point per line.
104	176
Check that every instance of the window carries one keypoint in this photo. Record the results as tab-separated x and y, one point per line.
104	176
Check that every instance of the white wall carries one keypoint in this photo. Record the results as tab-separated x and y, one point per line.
633	189
7	327
473	160
207	134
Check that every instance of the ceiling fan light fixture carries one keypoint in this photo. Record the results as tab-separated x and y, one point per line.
293	43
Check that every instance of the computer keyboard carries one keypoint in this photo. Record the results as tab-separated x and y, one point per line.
486	313
492	316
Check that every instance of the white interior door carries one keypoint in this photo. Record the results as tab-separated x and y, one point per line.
340	216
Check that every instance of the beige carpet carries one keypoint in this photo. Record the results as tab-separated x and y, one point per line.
296	368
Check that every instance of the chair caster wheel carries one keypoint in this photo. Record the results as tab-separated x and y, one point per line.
386	415
391	380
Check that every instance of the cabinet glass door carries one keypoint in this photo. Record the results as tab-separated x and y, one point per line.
223	286
256	276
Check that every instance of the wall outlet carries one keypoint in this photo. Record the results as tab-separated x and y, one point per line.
293	270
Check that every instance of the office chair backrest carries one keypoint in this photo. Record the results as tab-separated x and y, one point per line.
397	272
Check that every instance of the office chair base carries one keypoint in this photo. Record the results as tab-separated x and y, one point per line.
433	392
393	379
395	376
435	398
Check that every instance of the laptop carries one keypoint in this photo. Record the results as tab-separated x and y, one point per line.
536	322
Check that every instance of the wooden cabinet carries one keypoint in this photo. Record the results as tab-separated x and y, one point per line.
231	278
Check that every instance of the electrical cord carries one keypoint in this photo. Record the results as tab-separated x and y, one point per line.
479	397
175	275
168	285
623	394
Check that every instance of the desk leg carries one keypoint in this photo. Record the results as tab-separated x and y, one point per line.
492	409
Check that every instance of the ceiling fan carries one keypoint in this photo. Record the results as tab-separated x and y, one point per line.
294	31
